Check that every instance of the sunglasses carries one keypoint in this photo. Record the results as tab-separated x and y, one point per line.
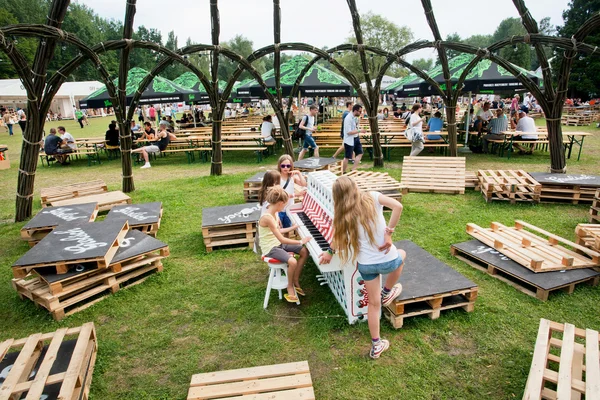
285	166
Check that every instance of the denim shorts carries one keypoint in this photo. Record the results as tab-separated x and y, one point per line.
372	271
309	141
286	222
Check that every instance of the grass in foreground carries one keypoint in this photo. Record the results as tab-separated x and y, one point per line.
204	312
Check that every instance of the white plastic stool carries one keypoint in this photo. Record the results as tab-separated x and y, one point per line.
277	278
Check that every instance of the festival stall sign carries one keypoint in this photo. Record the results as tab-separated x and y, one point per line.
160	90
318	81
486	78
144	217
230	225
72	244
51	217
198	93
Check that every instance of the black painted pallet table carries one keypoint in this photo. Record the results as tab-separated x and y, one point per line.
251	187
49	218
50	366
72	244
567	188
422	295
595	209
144	217
539	285
230	226
312	164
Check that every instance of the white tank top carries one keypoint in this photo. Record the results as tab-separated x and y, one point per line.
289	189
369	253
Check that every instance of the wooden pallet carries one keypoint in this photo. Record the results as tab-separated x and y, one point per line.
431	306
532	251
565	363
105	201
20	270
595	209
471	180
434	174
232	235
522	278
574	194
49	364
509	185
251	191
378	182
588	235
32	233
145	217
50	194
290	381
77	295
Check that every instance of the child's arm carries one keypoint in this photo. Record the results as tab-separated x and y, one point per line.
286	230
270	222
396	208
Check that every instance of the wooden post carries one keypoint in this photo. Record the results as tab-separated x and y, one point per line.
216	165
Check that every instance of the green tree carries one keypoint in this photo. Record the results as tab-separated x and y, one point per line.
382	33
244	47
424	64
479	40
519	53
26	46
585	73
453	37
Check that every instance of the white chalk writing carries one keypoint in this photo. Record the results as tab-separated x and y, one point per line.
486	249
84	241
245	213
311	162
131	213
126	242
64	214
570	178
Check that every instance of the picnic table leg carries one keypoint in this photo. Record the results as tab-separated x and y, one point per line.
580	147
570	145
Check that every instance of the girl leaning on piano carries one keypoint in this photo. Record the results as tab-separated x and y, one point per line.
362	236
274	245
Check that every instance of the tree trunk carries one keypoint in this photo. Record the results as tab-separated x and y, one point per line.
288	146
28	166
126	142
558	163
451	121
375	138
216	164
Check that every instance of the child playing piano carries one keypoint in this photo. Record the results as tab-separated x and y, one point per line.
274	245
361	233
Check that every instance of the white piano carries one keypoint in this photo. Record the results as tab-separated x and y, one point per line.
314	216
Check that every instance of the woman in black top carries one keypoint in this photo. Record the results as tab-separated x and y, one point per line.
112	135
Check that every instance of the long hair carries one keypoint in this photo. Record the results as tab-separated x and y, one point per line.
270	179
285	157
352	208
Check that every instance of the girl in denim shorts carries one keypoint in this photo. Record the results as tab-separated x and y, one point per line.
361	236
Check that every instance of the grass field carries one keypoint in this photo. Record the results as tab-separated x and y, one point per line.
204	312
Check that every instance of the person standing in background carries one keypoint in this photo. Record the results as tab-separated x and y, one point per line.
8	121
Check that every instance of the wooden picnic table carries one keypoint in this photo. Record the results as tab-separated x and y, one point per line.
569	143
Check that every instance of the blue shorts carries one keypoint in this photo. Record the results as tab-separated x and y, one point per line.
372	271
309	141
286	222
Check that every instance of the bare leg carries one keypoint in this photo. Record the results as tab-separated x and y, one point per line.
301	261
292	266
302	153
374	314
356	161
338	151
145	155
344	165
393	277
316	152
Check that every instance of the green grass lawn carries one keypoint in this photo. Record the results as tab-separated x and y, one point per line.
204	312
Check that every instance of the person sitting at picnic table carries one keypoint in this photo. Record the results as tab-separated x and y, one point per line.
497	126
484	115
267	129
53	147
134	127
68	139
467	120
112	135
527	131
159	145
148	133
435	124
380	115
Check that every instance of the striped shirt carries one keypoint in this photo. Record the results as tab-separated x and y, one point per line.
498	125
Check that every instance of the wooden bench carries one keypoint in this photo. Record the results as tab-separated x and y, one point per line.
290	381
189	152
434	174
57	193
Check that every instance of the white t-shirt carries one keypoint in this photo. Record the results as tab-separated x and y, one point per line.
70	140
527	101
485	115
527	124
266	129
414	117
350	125
369	253
289	189
310	122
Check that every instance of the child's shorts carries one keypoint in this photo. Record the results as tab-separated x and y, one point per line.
372	271
282	251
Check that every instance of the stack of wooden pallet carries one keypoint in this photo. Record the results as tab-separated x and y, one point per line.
434	174
56	365
595	208
565	363
143	217
561	188
252	186
230	226
588	235
509	185
378	182
471	180
290	381
83	192
76	265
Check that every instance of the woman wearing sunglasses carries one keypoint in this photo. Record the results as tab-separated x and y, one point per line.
289	178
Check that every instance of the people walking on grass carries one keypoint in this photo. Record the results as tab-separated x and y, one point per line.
347	111
274	245
416	123
22	119
8	122
352	145
307	124
362	236
79	117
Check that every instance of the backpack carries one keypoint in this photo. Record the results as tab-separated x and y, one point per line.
300	133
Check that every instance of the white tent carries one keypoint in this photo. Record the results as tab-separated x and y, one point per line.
13	94
385	82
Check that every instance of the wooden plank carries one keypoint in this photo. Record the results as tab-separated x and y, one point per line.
77	361
535	380
592	365
250	387
42	374
269	371
563	390
307	393
20	368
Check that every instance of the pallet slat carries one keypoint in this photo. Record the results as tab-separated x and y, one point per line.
63	192
434	174
509	185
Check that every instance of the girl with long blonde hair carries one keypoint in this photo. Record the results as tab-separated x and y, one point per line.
361	235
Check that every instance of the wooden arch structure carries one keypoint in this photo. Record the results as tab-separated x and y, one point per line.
41	90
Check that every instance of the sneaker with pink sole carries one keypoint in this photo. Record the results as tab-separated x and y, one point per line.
394	292
379	348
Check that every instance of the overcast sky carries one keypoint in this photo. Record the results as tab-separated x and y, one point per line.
320	22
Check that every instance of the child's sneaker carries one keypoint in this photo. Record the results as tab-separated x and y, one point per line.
394	292
379	348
